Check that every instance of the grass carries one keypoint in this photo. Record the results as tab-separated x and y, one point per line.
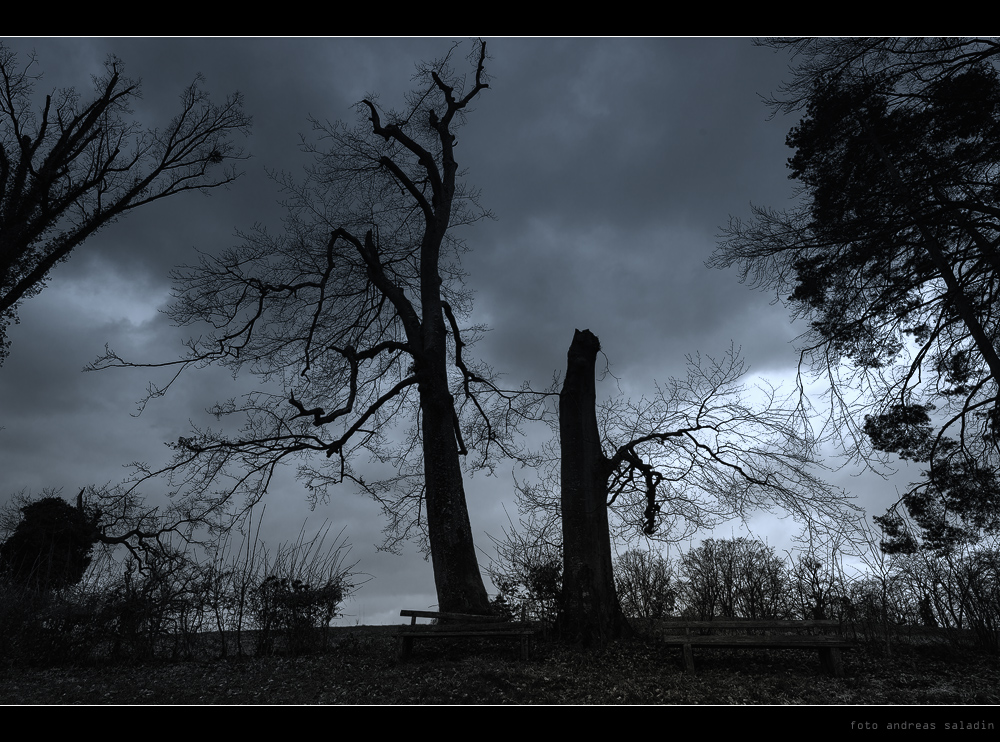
362	668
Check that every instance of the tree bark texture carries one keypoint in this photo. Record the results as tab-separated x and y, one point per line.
591	612
457	577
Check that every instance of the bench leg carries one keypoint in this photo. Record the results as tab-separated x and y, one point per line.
405	647
831	660
688	653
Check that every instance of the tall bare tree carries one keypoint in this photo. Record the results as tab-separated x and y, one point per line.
71	168
352	320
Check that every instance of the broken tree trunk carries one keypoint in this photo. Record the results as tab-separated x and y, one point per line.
591	612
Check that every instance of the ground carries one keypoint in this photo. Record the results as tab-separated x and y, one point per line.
362	668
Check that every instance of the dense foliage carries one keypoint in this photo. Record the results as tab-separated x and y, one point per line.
50	548
890	254
294	608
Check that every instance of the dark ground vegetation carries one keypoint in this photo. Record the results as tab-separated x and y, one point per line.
361	667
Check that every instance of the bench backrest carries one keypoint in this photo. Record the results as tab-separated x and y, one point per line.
469	617
738	623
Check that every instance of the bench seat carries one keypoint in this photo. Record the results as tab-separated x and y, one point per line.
776	634
461	626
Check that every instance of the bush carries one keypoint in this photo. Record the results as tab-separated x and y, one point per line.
50	546
528	572
296	609
296	593
172	605
529	584
45	628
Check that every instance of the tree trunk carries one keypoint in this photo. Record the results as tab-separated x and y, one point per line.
459	583
590	612
457	578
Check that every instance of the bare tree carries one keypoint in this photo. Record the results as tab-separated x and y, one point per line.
694	455
73	167
352	321
647	584
734	578
817	587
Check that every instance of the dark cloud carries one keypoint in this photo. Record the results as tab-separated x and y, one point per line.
610	164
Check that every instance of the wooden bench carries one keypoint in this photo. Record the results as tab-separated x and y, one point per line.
461	626
778	634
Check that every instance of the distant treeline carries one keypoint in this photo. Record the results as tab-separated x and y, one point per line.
952	597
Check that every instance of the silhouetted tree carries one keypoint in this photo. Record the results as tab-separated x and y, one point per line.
734	578
351	318
892	258
591	611
73	167
816	587
111	516
647	584
692	456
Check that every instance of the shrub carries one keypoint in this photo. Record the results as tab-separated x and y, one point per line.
50	546
529	585
296	609
528	572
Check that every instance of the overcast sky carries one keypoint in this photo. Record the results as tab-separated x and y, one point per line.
610	164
